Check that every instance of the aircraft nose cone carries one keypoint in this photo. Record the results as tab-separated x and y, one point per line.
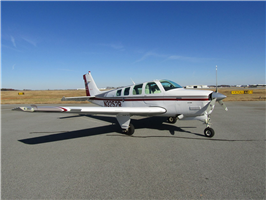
218	96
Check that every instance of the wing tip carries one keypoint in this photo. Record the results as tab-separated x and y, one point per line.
24	109
17	109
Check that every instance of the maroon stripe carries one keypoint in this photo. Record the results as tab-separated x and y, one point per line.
141	99
86	85
64	110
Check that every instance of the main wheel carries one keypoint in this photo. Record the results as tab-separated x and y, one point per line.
209	132
130	130
172	120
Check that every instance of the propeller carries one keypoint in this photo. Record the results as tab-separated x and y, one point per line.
219	97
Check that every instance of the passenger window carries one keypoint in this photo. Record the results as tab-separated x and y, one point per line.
126	92
118	93
137	89
152	88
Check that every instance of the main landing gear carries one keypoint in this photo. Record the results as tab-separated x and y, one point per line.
172	120
130	130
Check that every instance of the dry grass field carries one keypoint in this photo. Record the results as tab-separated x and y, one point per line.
54	96
40	97
258	94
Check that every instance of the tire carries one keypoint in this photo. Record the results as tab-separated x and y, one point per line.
172	120
130	130
209	132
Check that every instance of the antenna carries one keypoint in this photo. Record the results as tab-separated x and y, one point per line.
216	80
132	81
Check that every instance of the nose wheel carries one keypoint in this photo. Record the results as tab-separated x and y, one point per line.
209	132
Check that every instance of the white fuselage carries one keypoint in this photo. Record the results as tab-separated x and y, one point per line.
176	101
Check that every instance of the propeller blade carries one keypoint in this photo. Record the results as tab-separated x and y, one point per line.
211	106
223	105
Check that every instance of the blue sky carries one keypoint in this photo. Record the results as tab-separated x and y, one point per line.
50	45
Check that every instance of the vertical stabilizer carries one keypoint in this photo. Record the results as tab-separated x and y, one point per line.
90	86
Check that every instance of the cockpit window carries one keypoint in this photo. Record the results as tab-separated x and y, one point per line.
169	85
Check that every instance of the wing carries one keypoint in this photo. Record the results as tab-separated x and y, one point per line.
96	110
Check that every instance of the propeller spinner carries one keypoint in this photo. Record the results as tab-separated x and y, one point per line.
219	97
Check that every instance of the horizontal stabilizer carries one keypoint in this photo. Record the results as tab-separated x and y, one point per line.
83	98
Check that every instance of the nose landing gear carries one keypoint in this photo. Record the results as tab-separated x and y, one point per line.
209	132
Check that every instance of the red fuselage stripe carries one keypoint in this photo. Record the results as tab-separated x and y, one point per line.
148	99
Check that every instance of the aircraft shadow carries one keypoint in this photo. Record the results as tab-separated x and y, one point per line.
148	123
70	135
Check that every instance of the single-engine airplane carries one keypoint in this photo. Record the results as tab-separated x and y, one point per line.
154	98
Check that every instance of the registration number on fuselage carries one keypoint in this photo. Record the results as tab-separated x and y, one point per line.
112	103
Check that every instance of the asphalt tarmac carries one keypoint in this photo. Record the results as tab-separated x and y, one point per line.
67	156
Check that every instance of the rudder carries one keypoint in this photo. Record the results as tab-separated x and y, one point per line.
90	85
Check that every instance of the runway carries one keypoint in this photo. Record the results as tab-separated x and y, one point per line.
68	156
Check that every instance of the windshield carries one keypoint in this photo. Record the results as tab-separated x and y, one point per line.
169	85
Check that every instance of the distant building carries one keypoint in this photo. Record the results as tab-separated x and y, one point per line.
7	89
224	86
196	86
110	88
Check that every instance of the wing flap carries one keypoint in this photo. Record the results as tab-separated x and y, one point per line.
96	110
